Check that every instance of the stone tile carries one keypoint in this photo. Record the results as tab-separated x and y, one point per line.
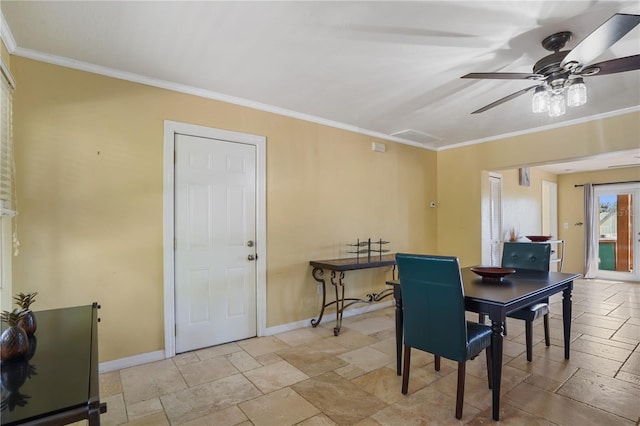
229	416
185	358
367	422
297	337
559	409
280	408
150	380
350	371
116	413
144	408
632	365
386	385
614	343
342	401
319	420
599	321
208	370
594	363
262	345
625	312
110	384
600	349
366	358
612	395
555	370
218	350
242	361
192	403
628	331
371	325
302	355
352	339
387	346
509	416
628	377
425	407
275	376
270	358
323	366
157	419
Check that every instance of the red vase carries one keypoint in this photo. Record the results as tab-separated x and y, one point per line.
14	343
28	323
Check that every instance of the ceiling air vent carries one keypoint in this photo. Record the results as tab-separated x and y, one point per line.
416	136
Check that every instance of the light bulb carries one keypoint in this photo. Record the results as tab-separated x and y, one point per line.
556	106
577	93
540	100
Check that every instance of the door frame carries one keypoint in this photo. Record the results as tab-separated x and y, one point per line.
260	143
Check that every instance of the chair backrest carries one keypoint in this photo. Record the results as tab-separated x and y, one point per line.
433	304
533	256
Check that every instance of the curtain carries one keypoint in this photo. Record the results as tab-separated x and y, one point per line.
591	225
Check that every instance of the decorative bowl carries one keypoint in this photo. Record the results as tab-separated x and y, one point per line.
539	238
492	273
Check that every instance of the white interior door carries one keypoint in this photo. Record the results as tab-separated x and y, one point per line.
215	231
550	218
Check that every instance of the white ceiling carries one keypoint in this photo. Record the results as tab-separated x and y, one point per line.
381	67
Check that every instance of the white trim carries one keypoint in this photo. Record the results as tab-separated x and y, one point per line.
327	318
623	111
208	94
6	35
7	73
145	358
260	142
130	361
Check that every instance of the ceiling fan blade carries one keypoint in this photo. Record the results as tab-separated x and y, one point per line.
628	63
505	99
505	75
602	38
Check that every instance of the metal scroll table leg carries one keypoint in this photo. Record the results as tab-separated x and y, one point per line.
339	299
317	275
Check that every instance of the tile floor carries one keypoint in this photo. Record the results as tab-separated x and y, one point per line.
310	377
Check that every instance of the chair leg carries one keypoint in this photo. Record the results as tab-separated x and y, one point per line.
547	340
488	355
528	328
405	369
460	394
437	362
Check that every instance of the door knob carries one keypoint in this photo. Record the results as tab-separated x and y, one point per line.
251	257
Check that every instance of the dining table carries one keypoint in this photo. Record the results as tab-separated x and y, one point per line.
497	298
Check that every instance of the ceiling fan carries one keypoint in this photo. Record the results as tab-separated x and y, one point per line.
563	71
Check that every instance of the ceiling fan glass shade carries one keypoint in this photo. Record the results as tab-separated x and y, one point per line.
577	93
557	106
540	100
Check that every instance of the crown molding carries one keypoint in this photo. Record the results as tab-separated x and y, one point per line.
6	35
190	90
568	123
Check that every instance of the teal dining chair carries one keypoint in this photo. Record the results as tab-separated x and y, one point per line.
532	256
434	316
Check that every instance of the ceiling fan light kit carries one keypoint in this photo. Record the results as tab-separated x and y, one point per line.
561	73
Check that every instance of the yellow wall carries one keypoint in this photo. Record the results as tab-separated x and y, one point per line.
89	152
461	171
571	209
522	205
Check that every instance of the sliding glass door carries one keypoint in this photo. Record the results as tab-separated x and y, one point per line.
618	228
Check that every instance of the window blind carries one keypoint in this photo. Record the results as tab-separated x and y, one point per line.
7	169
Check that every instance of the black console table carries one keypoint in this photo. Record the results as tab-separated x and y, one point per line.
338	268
59	384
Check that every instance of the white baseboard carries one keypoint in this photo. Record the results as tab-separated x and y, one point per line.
327	317
132	361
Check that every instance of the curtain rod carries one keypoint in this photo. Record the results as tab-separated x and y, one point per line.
609	183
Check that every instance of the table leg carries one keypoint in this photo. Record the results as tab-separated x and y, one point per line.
339	299
566	318
397	294
497	328
317	275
